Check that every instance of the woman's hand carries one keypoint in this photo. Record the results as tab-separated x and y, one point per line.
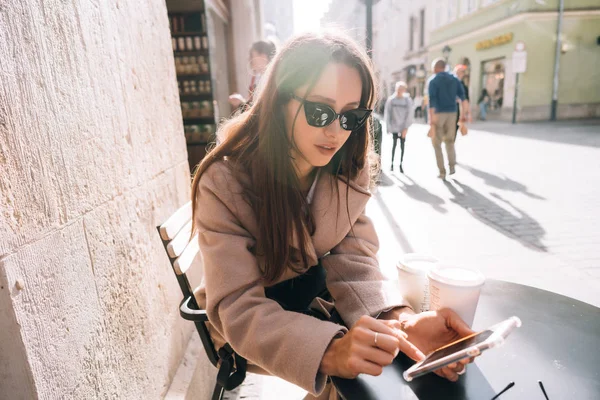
404	132
369	345
431	330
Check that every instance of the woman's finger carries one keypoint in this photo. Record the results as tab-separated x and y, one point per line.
457	324
410	350
375	355
379	333
450	374
456	367
378	340
441	373
376	325
366	367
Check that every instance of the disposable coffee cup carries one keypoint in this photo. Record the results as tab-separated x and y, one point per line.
413	281
456	288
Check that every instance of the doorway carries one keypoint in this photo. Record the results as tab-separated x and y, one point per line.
492	80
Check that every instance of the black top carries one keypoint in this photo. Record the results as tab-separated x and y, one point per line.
559	344
466	89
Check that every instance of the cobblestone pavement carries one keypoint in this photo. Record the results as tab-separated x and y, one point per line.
522	207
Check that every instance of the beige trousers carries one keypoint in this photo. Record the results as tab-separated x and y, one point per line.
445	131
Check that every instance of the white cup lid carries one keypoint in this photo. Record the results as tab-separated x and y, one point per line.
456	276
416	263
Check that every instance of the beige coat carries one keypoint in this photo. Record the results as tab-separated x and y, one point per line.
286	344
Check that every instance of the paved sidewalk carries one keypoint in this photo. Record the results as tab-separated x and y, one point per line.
521	207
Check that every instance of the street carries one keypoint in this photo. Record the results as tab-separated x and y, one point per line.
521	207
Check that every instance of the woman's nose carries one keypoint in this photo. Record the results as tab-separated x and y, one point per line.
334	128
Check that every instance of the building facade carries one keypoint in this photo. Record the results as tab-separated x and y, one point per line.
93	158
278	19
348	16
400	38
483	34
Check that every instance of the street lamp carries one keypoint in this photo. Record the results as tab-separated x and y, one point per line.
446	52
370	4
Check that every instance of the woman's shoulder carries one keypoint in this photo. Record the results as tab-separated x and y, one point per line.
223	177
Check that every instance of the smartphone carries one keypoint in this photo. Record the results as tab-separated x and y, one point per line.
470	346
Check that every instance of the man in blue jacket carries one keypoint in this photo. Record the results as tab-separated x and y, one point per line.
444	90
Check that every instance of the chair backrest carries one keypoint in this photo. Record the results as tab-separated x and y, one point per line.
183	251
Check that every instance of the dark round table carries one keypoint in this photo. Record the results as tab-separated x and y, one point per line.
558	344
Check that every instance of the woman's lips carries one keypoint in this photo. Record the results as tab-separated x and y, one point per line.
326	149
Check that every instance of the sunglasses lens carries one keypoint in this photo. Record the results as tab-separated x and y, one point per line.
353	119
318	115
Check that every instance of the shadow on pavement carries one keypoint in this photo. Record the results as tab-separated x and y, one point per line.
414	191
578	132
503	183
391	220
519	226
384	180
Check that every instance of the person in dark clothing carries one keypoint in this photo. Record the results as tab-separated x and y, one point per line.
483	102
444	89
459	71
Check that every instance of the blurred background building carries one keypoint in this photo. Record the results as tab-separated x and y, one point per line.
211	44
349	16
483	35
278	20
400	36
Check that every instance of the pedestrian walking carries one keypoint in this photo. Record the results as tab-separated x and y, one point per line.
484	101
444	89
398	116
459	71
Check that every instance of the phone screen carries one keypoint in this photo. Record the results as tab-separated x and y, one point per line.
457	346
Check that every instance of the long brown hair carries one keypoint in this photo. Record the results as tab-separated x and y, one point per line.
255	143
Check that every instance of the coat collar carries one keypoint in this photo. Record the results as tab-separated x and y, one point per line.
331	208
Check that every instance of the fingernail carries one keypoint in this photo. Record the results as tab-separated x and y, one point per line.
396	352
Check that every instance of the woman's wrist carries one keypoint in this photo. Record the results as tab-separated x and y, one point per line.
328	362
398	313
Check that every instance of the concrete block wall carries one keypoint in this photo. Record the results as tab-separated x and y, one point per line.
92	158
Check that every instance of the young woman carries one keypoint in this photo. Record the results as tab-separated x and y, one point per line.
279	208
398	117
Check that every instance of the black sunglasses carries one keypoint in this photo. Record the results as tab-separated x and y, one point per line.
320	115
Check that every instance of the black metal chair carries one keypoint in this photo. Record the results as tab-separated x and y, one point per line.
184	252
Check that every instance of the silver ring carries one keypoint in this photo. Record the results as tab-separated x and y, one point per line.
376	334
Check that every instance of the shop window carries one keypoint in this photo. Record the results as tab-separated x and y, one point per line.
492	80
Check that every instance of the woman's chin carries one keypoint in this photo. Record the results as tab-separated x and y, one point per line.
320	161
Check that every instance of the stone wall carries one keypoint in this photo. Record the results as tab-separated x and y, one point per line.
92	158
